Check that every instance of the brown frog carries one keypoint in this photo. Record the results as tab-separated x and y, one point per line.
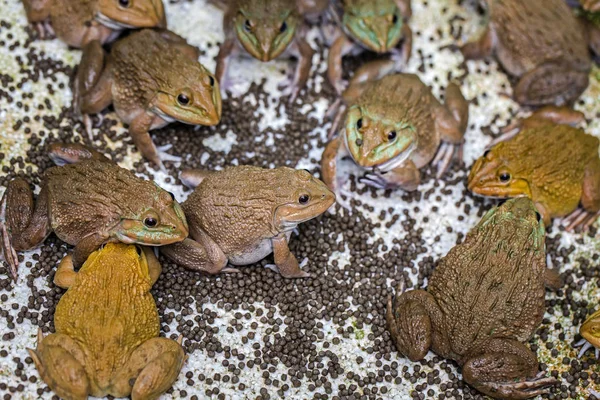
554	164
152	78
78	22
107	327
394	126
242	214
267	29
541	44
485	299
87	204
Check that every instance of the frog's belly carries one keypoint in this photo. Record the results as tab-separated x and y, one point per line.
253	254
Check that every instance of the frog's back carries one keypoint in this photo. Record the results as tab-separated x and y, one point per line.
92	196
109	311
490	286
532	32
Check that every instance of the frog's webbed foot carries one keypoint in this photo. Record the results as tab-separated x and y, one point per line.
164	156
585	346
520	390
44	29
580	218
446	153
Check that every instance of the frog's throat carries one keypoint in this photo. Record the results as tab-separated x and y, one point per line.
111	23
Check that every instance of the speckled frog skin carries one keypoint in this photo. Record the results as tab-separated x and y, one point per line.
107	327
550	64
88	204
484	300
78	22
394	126
152	78
242	214
555	165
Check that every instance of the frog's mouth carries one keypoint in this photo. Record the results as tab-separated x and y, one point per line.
111	23
397	160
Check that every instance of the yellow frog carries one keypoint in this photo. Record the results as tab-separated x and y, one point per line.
107	326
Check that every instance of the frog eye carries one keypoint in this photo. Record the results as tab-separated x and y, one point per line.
211	81
359	123
248	25
183	99
391	136
150	222
504	177
283	27
303	199
124	3
538	216
395	19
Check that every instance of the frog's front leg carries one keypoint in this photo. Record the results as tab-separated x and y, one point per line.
87	246
152	368
286	262
154	267
339	48
333	150
406	176
198	254
22	226
480	48
65	274
38	14
554	82
505	368
590	199
300	49
451	123
139	130
60	361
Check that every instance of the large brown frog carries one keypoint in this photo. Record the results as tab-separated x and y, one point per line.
484	301
152	78
242	214
87	204
107	327
267	29
554	164
541	44
394	126
78	22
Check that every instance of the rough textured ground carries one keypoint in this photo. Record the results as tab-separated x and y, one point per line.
256	335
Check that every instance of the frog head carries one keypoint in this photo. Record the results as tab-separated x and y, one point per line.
590	330
375	141
377	24
156	219
127	14
129	258
190	94
304	197
493	175
265	28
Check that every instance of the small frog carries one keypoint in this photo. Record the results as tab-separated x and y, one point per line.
152	78
107	327
541	44
394	126
555	165
484	301
242	214
373	25
78	22
267	29
590	332
87	204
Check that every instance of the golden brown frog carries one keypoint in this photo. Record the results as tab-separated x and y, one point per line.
87	204
242	214
267	29
78	22
373	25
394	126
152	78
541	44
107	327
590	331
484	301
555	165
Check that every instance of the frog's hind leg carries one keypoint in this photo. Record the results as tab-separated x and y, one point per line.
22	226
92	86
590	199
153	367
551	83
71	153
505	368
193	177
198	254
61	364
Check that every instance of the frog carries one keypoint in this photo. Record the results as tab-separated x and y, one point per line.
152	78
484	301
242	214
266	30
394	126
590	333
548	160
87	204
107	329
550	66
378	26
78	22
